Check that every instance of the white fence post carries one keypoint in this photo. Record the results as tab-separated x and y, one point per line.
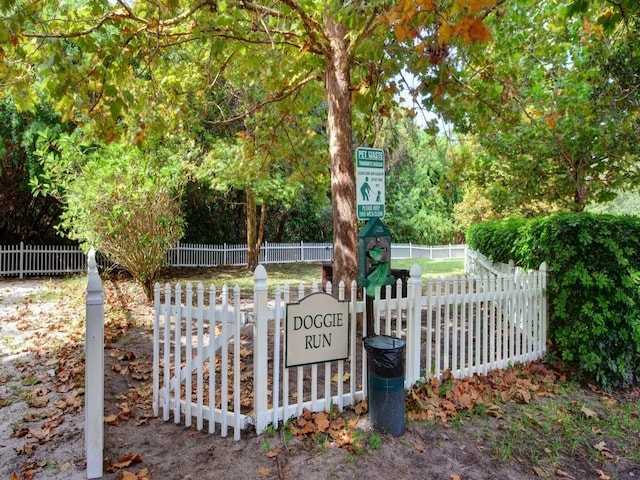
544	313
94	370
260	354
414	325
21	259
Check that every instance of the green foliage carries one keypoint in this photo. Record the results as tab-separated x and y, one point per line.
419	199
593	290
496	238
118	199
145	68
552	106
24	218
212	217
309	219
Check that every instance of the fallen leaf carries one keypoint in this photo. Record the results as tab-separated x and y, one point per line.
418	447
608	401
525	395
602	475
39	401
129	476
126	460
561	473
361	407
264	472
588	412
274	453
509	378
322	421
111	419
345	377
541	472
455	476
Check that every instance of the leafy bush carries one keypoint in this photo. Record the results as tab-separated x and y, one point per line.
593	289
118	199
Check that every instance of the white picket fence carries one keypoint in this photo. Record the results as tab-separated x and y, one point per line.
214	360
478	264
21	260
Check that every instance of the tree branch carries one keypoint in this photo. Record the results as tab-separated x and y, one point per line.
315	31
274	99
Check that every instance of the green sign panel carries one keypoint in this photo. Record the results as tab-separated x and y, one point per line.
370	183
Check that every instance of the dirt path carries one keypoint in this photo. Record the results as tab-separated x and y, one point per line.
42	413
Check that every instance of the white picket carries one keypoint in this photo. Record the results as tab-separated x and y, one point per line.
458	324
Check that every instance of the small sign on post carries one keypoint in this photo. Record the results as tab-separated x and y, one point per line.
317	330
370	178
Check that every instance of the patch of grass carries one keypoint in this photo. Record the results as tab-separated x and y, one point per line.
60	288
293	274
288	436
375	441
357	442
277	274
555	433
266	445
351	460
431	268
17	393
32	380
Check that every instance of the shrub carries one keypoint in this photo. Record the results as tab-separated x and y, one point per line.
119	200
593	289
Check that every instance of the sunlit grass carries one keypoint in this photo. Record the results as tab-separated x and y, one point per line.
293	274
432	267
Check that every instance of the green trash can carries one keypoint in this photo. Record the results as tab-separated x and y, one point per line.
385	356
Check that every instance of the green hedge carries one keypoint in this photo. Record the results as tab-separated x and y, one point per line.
593	289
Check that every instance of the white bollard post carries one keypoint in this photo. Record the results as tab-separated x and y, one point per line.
260	353
414	325
94	371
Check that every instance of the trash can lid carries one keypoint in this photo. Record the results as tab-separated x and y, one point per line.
383	342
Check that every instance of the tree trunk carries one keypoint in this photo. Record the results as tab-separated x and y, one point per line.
255	228
337	85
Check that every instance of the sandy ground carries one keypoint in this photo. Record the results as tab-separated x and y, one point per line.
42	415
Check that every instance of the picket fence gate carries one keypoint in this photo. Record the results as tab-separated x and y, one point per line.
219	357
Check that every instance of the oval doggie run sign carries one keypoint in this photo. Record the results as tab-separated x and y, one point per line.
317	330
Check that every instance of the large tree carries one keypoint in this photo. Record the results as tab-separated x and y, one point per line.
554	103
273	160
118	63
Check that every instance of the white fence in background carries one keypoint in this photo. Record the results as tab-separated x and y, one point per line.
476	263
21	260
204	371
